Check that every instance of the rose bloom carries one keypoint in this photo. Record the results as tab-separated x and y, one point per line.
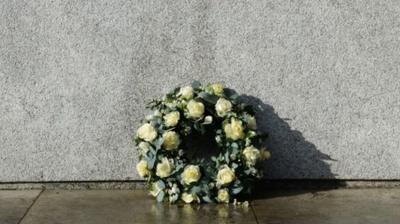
251	154
147	132
189	198
164	168
171	140
223	106
195	109
234	130
225	176
218	89
191	174
251	122
186	92
144	147
142	169
223	196
264	154
171	119
154	189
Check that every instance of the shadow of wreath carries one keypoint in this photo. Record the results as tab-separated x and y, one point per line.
295	163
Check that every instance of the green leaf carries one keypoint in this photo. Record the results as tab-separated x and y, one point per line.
195	189
208	97
227	157
151	157
197	126
178	168
230	93
196	84
206	198
234	145
158	143
160	196
151	161
237	190
235	165
161	184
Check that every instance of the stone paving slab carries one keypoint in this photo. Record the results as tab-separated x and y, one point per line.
14	204
350	206
123	206
343	206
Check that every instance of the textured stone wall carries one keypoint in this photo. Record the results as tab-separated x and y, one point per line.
75	75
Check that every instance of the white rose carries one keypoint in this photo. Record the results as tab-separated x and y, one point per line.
164	168
171	140
189	198
251	122
218	89
264	154
186	92
251	154
225	176
154	189
195	109
191	174
142	169
174	189
144	147
173	193
223	106
234	130
223	196
147	132
171	119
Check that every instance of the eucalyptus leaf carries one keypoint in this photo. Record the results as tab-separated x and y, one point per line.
195	189
230	93
197	126
196	84
234	145
206	198
227	157
237	190
208	97
161	184
160	196
235	165
177	169
151	161
158	143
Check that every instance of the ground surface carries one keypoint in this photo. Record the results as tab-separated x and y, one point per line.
127	206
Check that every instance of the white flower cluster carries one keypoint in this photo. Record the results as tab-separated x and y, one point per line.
197	109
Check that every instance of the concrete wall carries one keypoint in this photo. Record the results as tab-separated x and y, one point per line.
75	75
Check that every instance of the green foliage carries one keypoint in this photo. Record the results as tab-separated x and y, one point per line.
231	152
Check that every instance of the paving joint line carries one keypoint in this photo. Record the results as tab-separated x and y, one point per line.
254	213
29	208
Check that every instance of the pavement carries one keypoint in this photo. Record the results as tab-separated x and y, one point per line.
135	206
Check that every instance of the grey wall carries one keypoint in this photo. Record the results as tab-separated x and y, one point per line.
75	75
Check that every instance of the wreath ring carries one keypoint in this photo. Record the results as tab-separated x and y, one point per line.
171	175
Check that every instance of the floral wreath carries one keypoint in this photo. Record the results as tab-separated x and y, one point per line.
171	176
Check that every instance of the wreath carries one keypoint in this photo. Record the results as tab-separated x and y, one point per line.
198	110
